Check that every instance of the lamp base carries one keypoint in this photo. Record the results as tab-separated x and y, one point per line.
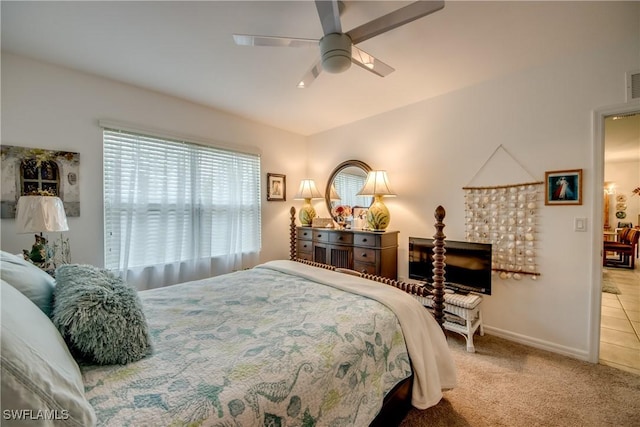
307	213
378	216
40	251
47	256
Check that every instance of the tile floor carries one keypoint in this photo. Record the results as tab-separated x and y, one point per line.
620	321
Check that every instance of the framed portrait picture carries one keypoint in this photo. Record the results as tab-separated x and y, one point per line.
563	187
276	187
360	217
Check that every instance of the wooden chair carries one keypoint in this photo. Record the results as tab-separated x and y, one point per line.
625	247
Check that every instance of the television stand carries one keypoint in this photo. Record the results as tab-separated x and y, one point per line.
462	315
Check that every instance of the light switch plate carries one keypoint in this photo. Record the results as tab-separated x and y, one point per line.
580	224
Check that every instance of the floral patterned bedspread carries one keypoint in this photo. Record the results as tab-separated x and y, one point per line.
255	348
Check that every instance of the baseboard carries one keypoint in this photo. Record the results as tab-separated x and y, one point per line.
537	343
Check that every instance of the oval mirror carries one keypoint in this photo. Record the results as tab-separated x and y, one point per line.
346	180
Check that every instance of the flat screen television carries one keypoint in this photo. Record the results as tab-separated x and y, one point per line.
468	265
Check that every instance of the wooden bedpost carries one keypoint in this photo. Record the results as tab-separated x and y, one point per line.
438	267
292	234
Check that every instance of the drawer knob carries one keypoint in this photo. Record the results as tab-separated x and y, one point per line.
364	240
364	254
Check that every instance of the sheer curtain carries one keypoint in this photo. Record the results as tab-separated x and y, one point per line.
176	211
347	186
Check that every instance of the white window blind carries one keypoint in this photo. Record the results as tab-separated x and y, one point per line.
168	201
347	186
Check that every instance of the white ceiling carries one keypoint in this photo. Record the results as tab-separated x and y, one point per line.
186	49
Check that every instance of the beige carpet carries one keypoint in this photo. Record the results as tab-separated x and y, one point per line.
508	384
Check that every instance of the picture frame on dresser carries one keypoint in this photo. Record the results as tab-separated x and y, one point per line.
360	217
276	187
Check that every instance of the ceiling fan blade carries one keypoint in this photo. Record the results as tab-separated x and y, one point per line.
394	19
370	63
249	40
329	14
310	75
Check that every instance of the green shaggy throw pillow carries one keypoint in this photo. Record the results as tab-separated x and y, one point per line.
99	316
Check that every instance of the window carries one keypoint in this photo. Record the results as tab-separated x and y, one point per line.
39	177
168	201
347	186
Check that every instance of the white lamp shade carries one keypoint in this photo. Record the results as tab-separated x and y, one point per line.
308	190
333	194
377	184
39	214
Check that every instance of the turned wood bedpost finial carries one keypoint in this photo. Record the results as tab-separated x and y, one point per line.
438	267
292	233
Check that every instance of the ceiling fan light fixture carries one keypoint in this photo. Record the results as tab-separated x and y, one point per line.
336	52
338	49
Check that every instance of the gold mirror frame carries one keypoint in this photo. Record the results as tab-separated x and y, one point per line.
342	166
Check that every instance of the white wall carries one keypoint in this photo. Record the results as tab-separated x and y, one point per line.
626	176
542	116
44	106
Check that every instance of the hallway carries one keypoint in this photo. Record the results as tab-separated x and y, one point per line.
620	323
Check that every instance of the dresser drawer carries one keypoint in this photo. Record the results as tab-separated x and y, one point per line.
367	268
321	236
364	240
304	234
342	238
305	246
305	256
364	255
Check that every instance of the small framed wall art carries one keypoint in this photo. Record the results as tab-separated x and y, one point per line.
563	187
276	187
359	217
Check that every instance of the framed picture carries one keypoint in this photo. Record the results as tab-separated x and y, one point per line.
38	171
360	217
276	187
563	187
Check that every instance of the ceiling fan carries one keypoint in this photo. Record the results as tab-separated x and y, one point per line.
338	49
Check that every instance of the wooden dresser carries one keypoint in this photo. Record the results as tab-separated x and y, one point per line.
364	251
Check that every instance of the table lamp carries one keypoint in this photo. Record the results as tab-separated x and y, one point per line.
43	214
307	191
333	194
377	185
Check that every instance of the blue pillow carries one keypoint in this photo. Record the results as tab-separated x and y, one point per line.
99	316
38	372
31	281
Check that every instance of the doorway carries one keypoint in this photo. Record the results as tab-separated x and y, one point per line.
617	175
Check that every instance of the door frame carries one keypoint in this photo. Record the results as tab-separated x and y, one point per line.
599	115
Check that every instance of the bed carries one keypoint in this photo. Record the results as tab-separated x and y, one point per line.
283	344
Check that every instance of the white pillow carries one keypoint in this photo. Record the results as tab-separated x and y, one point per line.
40	379
34	283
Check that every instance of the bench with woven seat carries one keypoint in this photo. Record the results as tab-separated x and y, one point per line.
625	247
462	314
